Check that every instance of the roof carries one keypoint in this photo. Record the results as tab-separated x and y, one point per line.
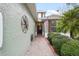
52	12
39	11
54	16
32	9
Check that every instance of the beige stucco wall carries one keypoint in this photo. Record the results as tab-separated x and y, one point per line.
15	42
46	28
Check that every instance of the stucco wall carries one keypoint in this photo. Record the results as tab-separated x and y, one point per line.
46	28
15	42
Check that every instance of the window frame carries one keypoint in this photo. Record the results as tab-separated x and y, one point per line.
1	29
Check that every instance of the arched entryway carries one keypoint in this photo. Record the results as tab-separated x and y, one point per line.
39	28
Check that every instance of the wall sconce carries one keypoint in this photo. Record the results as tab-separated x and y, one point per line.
24	23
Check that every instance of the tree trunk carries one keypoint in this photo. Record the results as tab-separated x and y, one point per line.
71	34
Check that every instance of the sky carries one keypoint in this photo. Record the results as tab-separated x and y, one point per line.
51	6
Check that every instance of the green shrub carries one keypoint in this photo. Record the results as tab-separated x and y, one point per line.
70	48
51	35
77	38
57	40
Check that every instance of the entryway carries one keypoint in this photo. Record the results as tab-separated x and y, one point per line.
39	28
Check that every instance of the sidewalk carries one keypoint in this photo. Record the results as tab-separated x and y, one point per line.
40	47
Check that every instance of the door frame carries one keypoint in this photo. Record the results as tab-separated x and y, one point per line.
41	23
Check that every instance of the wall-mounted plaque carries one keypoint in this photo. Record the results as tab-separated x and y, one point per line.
24	23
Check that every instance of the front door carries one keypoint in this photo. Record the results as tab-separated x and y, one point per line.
39	29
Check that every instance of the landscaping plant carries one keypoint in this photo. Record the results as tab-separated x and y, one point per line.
70	48
57	41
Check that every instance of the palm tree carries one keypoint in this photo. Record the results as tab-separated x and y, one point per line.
69	22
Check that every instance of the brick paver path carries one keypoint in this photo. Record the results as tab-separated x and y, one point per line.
40	47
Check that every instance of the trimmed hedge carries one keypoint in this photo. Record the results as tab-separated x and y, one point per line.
52	35
57	41
70	48
77	38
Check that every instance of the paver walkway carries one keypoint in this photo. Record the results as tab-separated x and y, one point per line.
40	47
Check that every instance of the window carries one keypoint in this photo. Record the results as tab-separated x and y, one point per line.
53	23
53	29
1	29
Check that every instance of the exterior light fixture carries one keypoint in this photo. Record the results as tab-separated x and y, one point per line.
24	23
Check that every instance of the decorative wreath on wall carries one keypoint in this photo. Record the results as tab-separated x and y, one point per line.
24	23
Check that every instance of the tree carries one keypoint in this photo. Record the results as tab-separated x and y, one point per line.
72	4
69	22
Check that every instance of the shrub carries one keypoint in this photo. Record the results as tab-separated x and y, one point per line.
51	35
77	38
57	40
70	48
